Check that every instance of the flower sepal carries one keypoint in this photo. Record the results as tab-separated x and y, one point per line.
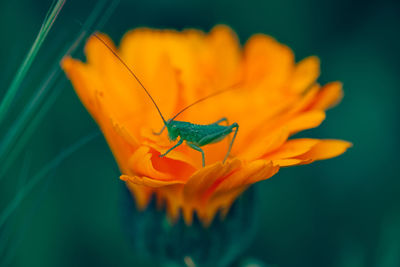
174	243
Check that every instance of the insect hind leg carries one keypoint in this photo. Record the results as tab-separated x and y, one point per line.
222	120
198	149
236	126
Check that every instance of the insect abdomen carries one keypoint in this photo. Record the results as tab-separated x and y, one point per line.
195	133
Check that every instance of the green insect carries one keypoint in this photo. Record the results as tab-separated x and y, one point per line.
195	135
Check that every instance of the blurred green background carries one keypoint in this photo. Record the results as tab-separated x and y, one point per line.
339	212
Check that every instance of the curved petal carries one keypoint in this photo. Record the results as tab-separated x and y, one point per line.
305	74
125	134
82	78
145	161
147	181
326	149
249	174
141	194
329	95
292	148
261	146
224	192
116	80
305	121
289	162
143	47
204	179
267	62
141	164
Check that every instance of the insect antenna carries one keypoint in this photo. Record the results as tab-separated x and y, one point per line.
232	87
131	72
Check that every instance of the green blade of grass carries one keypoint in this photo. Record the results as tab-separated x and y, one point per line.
23	69
9	152
107	14
24	126
17	127
91	20
10	208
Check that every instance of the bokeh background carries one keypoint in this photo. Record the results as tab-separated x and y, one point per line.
335	213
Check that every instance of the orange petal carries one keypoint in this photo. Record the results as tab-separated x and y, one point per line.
125	134
176	155
176	164
143	48
305	121
141	194
305	74
292	148
203	179
267	61
250	173
146	162
220	61
120	147
121	92
280	117
218	186
140	162
97	53
190	196
148	181
260	146
84	81
326	149
329	96
305	99
221	195
113	74
288	162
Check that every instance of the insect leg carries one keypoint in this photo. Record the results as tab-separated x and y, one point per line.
221	120
198	149
234	125
175	146
160	132
224	119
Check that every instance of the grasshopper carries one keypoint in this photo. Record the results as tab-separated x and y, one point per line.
195	135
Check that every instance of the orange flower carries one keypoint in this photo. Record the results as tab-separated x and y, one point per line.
276	99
